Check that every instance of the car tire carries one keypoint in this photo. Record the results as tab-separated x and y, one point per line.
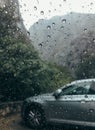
35	117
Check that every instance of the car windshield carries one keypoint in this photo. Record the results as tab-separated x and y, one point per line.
46	44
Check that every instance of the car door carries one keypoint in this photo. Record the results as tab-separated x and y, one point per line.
72	105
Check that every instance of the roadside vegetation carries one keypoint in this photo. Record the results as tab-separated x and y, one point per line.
22	72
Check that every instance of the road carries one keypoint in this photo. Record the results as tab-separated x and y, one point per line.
14	122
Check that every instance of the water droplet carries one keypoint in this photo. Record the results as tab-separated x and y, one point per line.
85	52
49	11
94	40
91	110
60	5
76	127
56	113
40	44
6	12
55	40
62	27
91	3
20	6
42	12
83	74
53	24
35	8
28	32
82	6
49	36
24	4
86	96
36	22
47	42
4	6
48	27
54	9
50	3
90	62
63	20
85	29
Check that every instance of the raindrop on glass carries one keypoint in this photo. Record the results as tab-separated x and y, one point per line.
4	6
91	3
42	12
20	6
82	6
47	42
49	11
85	52
85	29
36	22
62	27
6	12
63	20
28	32
76	127
40	44
35	8
60	5
50	3
53	24
86	96
49	36
94	40
91	110
24	4
48	27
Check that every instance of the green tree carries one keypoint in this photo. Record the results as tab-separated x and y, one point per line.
18	64
22	72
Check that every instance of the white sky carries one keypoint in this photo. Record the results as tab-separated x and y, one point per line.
33	10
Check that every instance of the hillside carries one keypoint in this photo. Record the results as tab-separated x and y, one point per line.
58	39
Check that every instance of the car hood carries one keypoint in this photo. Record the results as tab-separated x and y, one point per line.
40	97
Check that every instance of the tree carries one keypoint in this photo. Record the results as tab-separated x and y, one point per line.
22	72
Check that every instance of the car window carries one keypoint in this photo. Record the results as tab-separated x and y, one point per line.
92	88
76	89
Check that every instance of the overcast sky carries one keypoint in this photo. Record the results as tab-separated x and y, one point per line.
33	10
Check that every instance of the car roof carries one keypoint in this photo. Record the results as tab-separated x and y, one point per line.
79	81
83	80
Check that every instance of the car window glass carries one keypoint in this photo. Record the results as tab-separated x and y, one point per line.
92	88
76	89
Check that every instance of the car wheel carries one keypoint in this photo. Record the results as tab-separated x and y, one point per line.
35	117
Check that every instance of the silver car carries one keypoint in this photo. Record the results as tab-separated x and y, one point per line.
73	103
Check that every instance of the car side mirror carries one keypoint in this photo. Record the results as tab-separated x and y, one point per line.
56	94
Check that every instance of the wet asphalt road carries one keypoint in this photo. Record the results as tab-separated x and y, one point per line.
14	122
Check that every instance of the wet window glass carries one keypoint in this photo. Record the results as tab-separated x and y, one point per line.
77	89
44	45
